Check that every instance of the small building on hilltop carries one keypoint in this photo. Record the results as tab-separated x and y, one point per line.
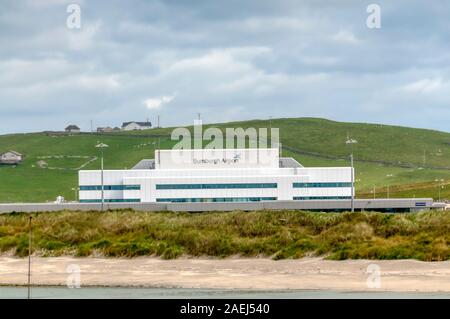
72	129
11	158
104	129
132	126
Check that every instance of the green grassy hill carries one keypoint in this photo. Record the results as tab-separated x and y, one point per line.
407	160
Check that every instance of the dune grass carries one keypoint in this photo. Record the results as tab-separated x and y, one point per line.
276	234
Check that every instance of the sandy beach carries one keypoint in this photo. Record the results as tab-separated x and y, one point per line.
230	273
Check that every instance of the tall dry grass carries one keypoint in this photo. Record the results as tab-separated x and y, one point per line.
276	234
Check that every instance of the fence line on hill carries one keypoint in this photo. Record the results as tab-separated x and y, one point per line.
385	163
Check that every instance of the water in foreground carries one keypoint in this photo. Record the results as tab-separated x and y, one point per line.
183	293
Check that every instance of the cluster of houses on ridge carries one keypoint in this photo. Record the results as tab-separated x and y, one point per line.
126	126
13	158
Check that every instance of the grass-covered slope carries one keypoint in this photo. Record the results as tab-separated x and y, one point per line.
275	234
406	159
30	182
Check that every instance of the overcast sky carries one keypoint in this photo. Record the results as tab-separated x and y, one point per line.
228	60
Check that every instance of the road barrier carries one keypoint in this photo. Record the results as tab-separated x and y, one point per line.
404	204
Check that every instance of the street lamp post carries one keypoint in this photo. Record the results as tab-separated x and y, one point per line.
351	142
439	191
75	190
30	234
353	183
102	146
439	181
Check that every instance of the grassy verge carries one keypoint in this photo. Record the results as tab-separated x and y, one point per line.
277	234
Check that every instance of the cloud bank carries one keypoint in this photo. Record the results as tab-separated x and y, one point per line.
231	60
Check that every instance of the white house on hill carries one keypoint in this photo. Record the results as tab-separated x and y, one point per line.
132	126
10	157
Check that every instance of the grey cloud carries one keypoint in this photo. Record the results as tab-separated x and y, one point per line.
230	60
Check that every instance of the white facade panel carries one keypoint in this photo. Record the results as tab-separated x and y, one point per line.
215	158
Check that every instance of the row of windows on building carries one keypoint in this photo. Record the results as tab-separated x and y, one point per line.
214	199
114	200
321	197
322	185
110	187
215	186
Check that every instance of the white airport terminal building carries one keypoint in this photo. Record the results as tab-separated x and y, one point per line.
220	175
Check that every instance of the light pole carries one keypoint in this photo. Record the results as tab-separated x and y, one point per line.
30	234
75	189
439	181
351	141
102	146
